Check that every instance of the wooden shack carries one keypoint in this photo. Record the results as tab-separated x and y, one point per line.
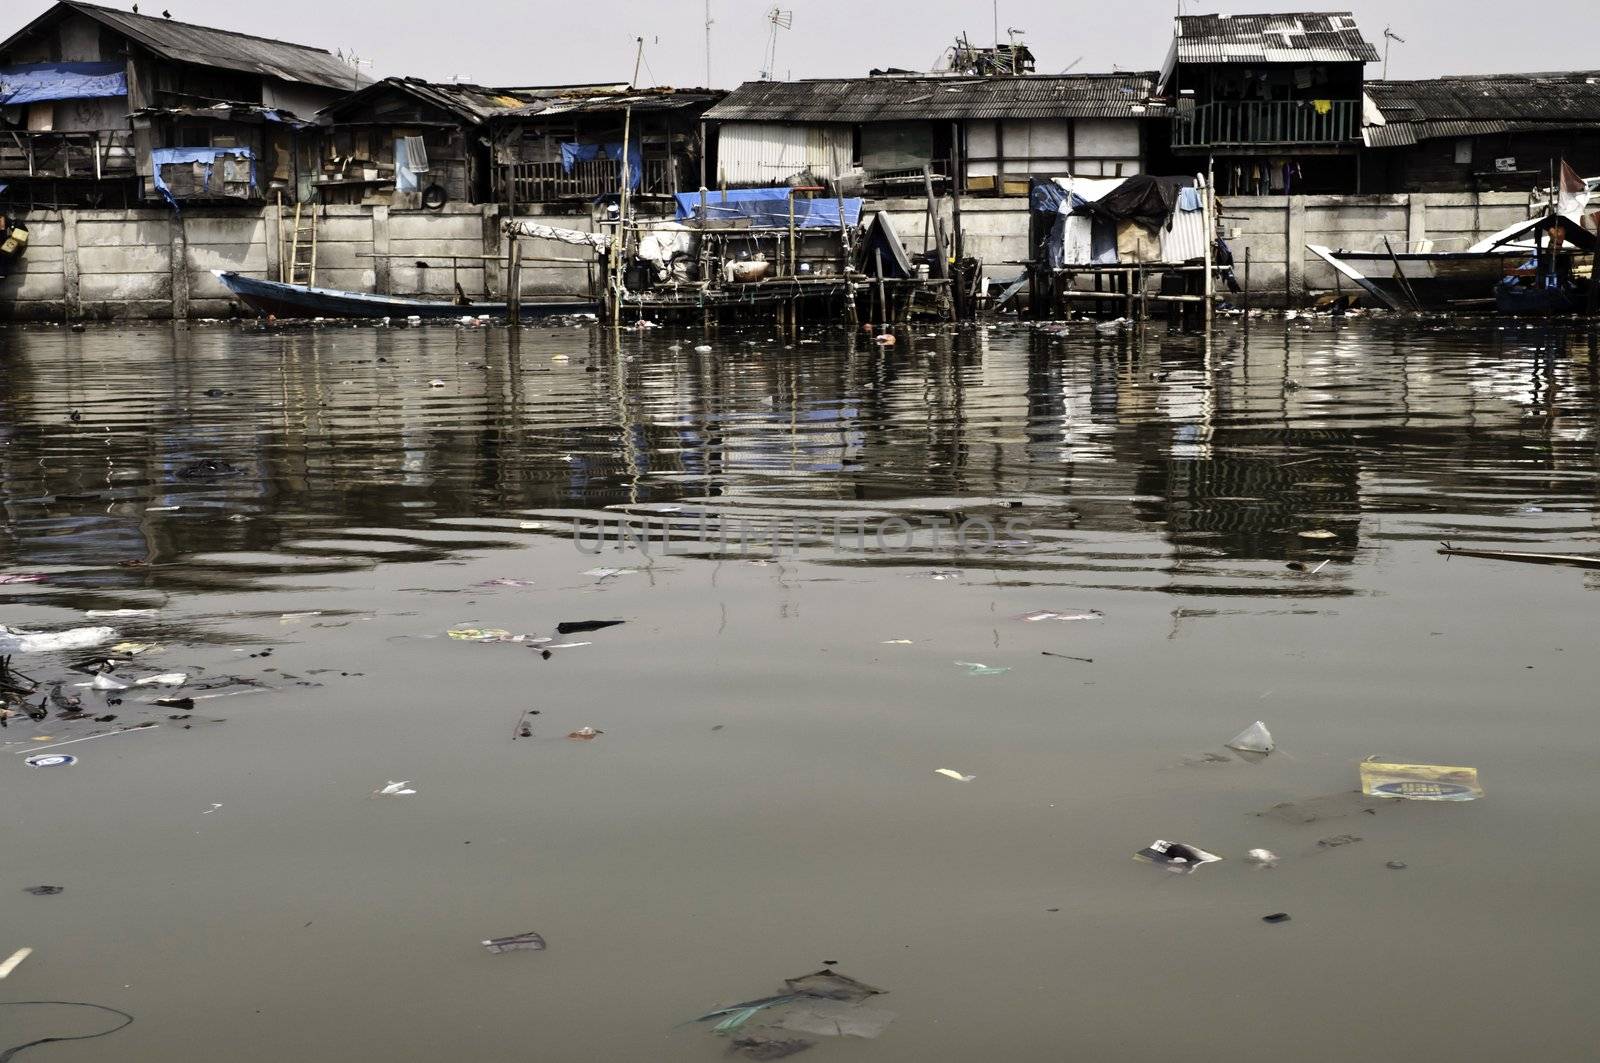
401	137
1493	133
132	86
567	145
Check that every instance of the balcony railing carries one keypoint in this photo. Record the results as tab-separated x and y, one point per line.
74	156
1268	123
546	182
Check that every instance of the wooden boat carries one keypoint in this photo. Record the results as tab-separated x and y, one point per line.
303	301
1437	280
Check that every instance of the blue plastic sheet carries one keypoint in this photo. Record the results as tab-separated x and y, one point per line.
576	153
42	82
166	156
768	208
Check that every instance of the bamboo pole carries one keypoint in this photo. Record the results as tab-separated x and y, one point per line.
514	284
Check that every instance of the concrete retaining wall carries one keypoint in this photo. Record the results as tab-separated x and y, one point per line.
153	264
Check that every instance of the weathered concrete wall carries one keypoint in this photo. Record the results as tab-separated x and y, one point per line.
154	264
1275	230
151	263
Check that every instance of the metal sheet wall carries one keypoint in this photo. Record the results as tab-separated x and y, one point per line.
763	153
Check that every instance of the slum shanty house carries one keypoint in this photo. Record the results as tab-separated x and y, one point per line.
566	147
881	135
106	107
1275	100
401	141
1507	132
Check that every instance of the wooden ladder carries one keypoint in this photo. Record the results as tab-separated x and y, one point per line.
303	249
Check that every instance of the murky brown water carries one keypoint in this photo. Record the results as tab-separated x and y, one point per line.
764	797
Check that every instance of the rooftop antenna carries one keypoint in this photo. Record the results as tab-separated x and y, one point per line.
1389	35
709	21
356	63
1069	67
780	19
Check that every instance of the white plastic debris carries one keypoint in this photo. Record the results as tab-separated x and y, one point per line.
1262	857
105	682
395	789
951	773
165	679
78	638
111	614
1253	739
704	348
15	960
436	383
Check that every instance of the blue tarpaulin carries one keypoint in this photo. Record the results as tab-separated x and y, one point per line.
768	208
41	82
576	153
209	156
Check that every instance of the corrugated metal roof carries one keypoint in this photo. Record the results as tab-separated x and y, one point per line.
471	103
183	42
897	99
1482	105
1326	37
549	103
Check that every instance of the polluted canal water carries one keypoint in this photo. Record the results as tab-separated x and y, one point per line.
351	651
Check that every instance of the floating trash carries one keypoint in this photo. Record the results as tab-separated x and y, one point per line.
824	1004
1253	739
1262	857
1046	614
504	581
1276	917
119	614
133	649
897	642
78	638
105	682
44	891
1318	533
395	789
1175	856
479	634
1337	841
608	573
51	760
977	668
165	679
951	773
572	627
23	577
529	942
1420	782
13	963
585	734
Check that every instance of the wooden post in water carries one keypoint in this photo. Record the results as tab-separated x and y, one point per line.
883	295
955	212
1247	282
514	283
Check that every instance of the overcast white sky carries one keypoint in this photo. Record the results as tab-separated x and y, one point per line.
534	42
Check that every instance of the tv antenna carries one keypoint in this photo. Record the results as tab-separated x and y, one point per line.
356	63
709	21
781	20
1389	35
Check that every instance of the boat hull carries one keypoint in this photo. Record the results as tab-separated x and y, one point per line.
302	301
